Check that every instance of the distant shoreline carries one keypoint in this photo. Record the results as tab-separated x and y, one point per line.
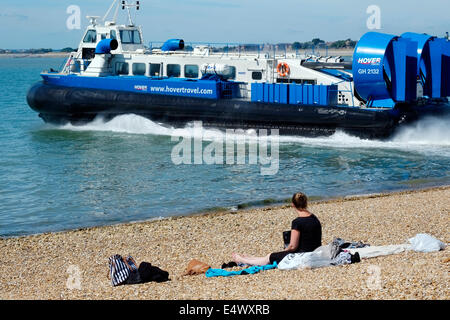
35	55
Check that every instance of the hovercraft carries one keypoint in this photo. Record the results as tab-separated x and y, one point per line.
391	81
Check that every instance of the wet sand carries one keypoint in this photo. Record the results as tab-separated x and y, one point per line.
48	266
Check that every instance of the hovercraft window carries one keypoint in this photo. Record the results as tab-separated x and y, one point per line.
139	69
256	75
91	36
130	36
122	68
112	34
191	71
173	70
155	69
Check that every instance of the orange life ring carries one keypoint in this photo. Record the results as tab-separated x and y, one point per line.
283	69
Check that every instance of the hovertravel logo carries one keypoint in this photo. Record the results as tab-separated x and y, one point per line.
370	61
232	147
140	87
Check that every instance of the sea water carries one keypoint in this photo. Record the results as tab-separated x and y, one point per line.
55	178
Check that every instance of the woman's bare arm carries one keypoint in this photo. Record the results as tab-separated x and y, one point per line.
293	244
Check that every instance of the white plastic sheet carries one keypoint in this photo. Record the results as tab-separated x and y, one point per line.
321	257
423	242
376	251
303	260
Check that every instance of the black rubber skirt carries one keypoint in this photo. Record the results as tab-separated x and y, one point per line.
57	104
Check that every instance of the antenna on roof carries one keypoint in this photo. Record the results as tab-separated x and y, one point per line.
125	5
92	20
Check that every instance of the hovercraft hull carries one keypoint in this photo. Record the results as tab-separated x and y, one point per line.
61	104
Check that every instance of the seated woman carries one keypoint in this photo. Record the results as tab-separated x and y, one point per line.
306	235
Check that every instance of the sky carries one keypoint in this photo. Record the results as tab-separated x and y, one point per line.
42	23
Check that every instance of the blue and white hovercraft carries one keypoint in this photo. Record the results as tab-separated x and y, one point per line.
393	80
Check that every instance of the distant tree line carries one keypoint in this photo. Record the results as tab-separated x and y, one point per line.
36	51
340	44
68	49
314	43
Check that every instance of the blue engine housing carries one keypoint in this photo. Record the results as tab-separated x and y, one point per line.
433	64
173	45
387	68
106	45
384	68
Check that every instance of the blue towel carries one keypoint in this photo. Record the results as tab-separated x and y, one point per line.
225	273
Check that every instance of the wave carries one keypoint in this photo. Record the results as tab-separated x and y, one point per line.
430	130
128	123
428	133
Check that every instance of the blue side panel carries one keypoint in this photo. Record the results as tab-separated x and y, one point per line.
436	50
266	92
316	94
299	93
276	93
310	93
284	93
383	103
432	64
254	92
421	40
411	71
304	94
175	87
271	93
404	70
323	94
398	70
292	93
260	92
446	70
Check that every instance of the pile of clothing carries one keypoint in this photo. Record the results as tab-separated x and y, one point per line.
125	271
342	252
338	252
333	254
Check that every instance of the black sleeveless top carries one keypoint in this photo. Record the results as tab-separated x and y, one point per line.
310	233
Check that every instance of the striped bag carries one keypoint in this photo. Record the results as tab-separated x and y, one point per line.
120	269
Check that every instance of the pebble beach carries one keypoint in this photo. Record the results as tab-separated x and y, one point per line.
74	264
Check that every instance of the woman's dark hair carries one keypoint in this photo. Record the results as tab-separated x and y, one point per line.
299	200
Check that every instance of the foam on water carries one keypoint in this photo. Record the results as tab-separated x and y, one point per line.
428	131
128	123
430	134
135	124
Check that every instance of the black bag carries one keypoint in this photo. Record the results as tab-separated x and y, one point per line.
134	276
147	273
286	238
